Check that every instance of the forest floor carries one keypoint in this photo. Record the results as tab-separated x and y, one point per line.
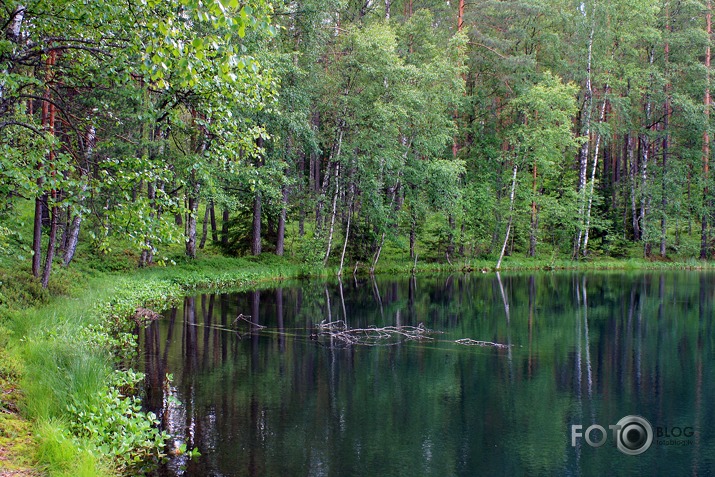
26	309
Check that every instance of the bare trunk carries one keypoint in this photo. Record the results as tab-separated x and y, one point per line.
534	218
584	153
191	220
37	237
205	228
645	192
450	244
224	227
53	194
376	258
704	246
50	246
332	218
460	16
345	243
280	242
14	27
74	227
72	239
256	245
666	141
214	230
632	179
511	214
593	179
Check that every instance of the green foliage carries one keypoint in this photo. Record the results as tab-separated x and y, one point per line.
113	421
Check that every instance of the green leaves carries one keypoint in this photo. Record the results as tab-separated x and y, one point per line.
117	426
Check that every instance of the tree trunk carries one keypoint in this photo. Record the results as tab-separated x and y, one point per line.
345	243
40	208
72	239
37	236
53	194
584	153
645	151
280	242
224	227
191	221
376	258
332	218
450	244
205	228
666	139
50	245
704	246
256	242
193	206
214	230
534	219
511	215
413	236
593	178
256	246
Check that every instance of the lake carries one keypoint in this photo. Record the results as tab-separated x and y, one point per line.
261	389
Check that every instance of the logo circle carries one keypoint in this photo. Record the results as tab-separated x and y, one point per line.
634	435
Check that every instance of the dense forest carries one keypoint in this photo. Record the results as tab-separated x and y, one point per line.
451	129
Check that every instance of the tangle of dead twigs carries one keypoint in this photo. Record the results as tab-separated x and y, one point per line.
338	331
471	342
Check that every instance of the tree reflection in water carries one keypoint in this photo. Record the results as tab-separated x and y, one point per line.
586	349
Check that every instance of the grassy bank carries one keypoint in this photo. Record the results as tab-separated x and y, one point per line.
61	354
60	349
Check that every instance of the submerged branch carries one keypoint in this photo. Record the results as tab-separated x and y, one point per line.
471	342
371	336
242	317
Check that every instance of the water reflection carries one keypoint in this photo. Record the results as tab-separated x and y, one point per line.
263	396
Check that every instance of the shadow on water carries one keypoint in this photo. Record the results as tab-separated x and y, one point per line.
268	394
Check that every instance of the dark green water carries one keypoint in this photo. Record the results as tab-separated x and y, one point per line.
584	349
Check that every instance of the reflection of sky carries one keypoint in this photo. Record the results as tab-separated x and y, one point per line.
585	350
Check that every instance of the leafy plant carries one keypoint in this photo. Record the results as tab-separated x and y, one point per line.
116	425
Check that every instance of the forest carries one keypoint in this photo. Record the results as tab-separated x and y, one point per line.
549	128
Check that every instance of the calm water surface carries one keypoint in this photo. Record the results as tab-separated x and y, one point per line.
582	349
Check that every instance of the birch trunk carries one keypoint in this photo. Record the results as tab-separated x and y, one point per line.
593	180
334	213
511	212
666	140
584	153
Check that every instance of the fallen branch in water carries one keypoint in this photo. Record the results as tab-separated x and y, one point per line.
471	342
242	317
371	336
